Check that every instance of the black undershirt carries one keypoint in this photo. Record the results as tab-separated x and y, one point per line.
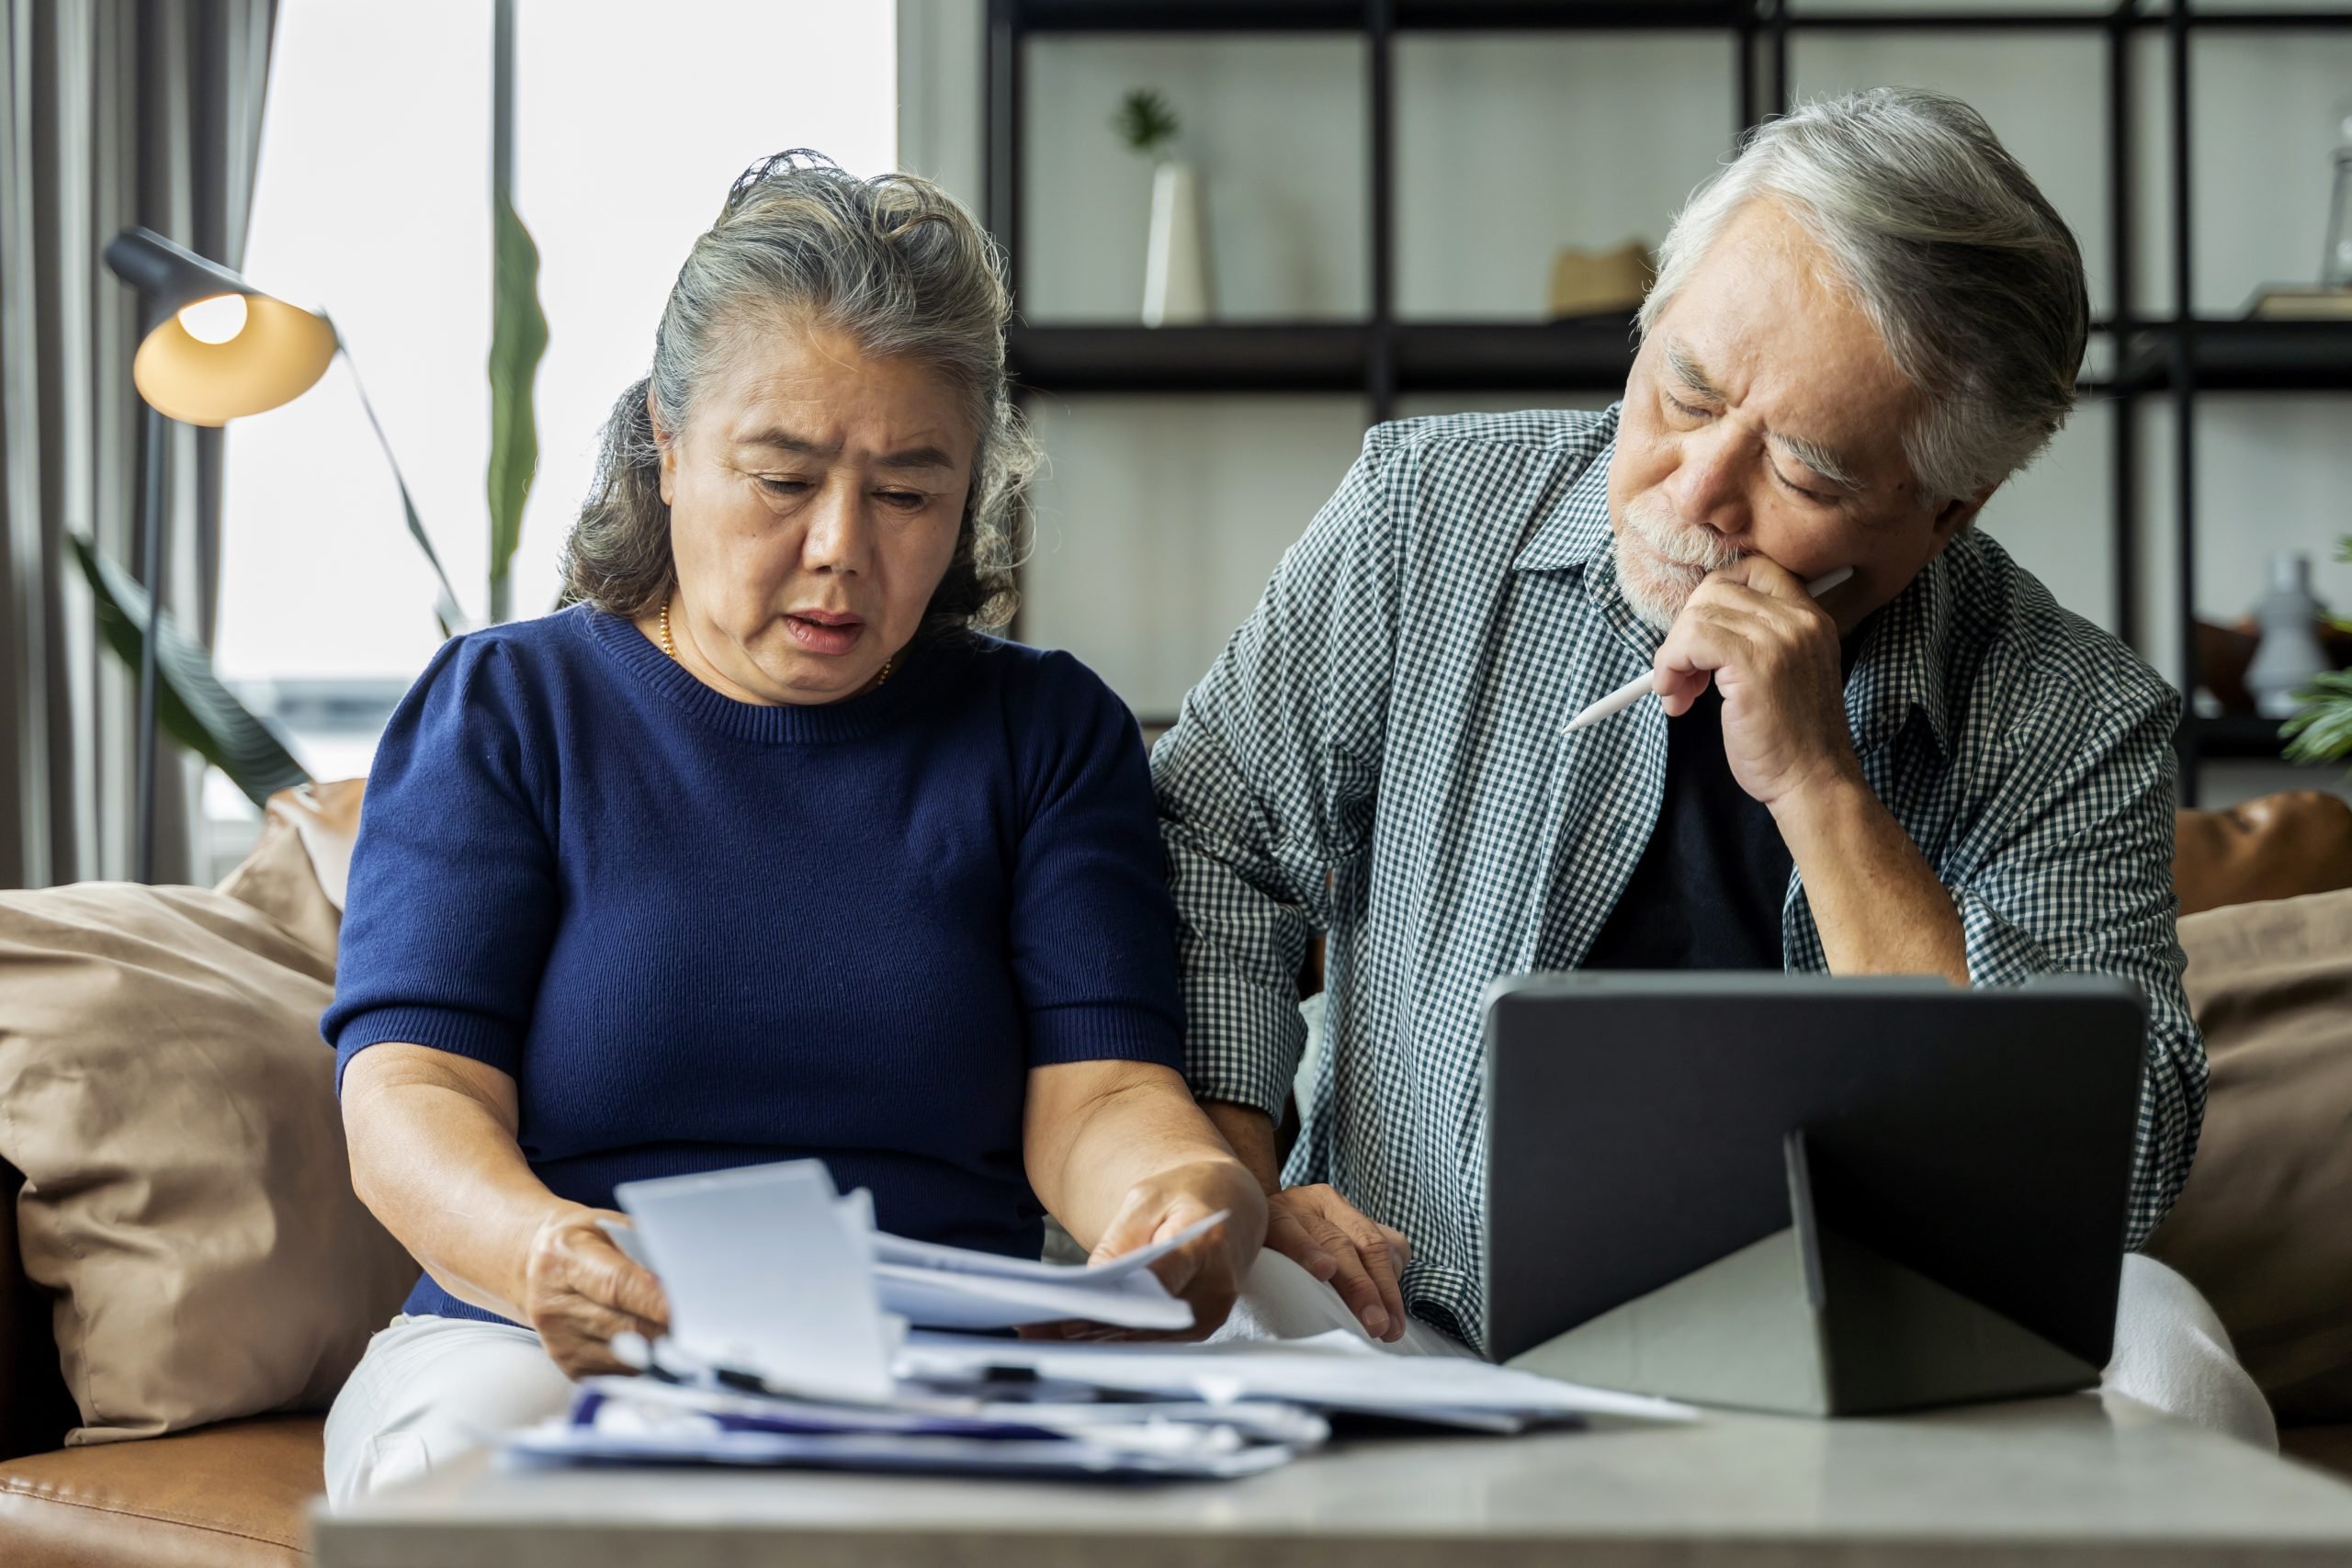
1707	891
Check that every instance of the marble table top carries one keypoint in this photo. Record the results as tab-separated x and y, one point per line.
2076	1480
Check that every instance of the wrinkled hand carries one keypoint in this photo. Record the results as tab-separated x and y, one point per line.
1208	1270
580	1289
1360	1257
1772	652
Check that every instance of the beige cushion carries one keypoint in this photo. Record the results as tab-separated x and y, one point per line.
2262	1227
165	1090
299	865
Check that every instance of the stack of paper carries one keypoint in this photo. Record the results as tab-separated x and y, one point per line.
767	1266
789	1345
642	1420
948	1287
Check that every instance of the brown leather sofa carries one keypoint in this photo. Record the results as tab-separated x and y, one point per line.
224	1497
232	1495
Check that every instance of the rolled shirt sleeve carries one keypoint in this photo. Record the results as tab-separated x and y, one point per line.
2080	883
1266	783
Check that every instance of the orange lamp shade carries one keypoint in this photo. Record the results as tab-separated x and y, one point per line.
215	349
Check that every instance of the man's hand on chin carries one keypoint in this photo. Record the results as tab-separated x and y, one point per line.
1754	633
1753	630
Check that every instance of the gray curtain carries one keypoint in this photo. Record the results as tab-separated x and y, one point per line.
112	112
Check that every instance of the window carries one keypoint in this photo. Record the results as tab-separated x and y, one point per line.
372	203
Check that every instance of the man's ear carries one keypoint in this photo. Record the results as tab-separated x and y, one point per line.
667	470
1956	516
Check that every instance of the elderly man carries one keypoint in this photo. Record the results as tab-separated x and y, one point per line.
1857	333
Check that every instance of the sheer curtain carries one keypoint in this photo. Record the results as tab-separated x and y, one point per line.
112	112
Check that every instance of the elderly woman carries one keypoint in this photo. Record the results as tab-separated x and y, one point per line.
761	850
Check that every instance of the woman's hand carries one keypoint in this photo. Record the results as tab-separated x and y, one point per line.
580	1289
1206	1271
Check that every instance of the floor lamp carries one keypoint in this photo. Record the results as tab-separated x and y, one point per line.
212	348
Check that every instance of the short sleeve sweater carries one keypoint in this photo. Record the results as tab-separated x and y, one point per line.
701	933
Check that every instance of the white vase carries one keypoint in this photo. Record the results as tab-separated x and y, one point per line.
2289	656
1176	267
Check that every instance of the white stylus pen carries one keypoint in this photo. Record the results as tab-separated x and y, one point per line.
1642	685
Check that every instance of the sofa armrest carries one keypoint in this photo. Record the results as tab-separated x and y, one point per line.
2281	846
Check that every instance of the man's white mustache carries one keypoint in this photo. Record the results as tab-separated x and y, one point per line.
1684	544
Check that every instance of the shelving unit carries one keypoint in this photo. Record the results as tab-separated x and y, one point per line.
1384	357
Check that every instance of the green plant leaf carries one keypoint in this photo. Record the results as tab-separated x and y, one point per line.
191	705
1145	122
2321	730
518	337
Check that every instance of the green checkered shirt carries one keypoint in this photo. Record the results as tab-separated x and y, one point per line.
1378	754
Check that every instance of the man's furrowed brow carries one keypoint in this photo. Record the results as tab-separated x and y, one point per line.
1685	370
1821	460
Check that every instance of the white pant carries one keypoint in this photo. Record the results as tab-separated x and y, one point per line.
2171	1353
431	1389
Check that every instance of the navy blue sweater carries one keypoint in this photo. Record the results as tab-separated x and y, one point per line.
702	933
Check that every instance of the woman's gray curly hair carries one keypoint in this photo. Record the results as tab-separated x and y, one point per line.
893	263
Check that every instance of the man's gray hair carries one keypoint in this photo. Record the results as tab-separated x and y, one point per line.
894	264
1969	274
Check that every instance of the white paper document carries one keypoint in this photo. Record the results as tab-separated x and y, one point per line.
744	1246
1334	1371
788	1345
767	1269
975	1302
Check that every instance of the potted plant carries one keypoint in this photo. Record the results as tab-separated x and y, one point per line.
1176	268
2321	730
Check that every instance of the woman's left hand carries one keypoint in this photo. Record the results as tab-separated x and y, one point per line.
1208	1270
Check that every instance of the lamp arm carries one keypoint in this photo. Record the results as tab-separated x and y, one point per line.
446	612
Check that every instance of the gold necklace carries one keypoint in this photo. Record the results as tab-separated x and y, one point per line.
672	649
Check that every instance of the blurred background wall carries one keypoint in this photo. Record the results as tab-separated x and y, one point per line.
1178	478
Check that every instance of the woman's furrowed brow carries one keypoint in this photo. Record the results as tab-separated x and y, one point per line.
782	440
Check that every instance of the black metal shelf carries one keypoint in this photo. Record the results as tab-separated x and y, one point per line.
1563	16
1289	356
1579	356
2242	357
1319	357
1382	358
2237	737
1354	16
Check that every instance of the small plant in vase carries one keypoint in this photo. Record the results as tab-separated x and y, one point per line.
1176	271
2321	730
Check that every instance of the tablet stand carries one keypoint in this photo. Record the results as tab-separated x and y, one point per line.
1809	1323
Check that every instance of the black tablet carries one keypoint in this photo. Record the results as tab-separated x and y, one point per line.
1957	1150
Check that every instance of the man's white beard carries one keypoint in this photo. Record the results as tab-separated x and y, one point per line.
1651	531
